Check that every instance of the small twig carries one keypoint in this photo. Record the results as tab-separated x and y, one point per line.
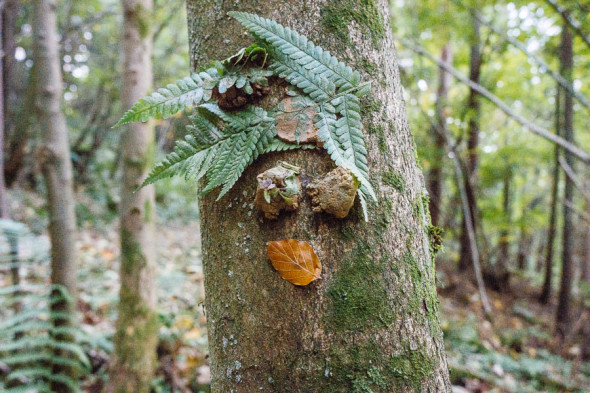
569	204
519	45
571	22
574	178
451	146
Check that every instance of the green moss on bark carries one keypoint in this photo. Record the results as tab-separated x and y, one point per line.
358	293
394	179
365	368
410	368
337	16
424	298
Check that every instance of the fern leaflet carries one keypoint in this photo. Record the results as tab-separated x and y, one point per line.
189	91
299	49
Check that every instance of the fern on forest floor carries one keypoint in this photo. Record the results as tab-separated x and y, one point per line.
229	131
34	339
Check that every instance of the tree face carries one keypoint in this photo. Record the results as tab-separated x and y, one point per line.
370	322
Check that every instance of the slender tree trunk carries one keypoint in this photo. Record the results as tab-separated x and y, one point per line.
551	232
585	274
2	115
9	31
435	178
136	336
55	162
371	322
473	106
563	314
500	272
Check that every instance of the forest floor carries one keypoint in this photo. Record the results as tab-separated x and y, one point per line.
515	352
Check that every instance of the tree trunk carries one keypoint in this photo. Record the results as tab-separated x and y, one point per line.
563	314
2	119
136	336
9	31
55	162
435	178
546	291
585	274
371	321
500	274
473	106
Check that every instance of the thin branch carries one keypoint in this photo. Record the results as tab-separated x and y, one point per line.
555	75
543	132
574	178
570	205
452	148
569	20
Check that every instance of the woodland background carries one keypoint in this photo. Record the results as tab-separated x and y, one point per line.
523	193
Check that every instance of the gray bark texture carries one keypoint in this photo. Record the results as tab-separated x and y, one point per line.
55	162
136	338
55	154
370	323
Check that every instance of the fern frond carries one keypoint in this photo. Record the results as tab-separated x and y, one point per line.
189	91
242	150
299	49
239	121
332	134
40	372
319	89
279	145
36	387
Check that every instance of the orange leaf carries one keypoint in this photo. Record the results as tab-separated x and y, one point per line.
295	261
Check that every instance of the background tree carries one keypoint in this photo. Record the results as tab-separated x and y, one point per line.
563	312
136	338
371	322
55	162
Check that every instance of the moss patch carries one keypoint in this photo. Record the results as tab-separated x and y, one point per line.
358	293
370	105
435	237
410	368
424	297
394	179
337	16
364	368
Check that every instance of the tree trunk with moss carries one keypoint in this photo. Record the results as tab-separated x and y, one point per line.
370	323
54	158
136	337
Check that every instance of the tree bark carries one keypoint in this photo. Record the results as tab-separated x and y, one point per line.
473	106
435	178
563	314
134	362
55	162
371	321
500	274
2	116
551	232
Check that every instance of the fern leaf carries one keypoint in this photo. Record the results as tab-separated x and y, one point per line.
40	372
36	387
327	126
189	91
363	200
348	128
278	145
299	49
240	121
318	88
